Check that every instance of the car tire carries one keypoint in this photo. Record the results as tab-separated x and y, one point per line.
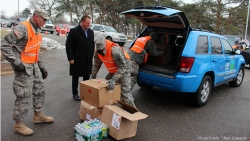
51	32
239	79
56	33
143	85
110	39
200	98
121	44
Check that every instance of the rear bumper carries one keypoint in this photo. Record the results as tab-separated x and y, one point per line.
179	83
119	40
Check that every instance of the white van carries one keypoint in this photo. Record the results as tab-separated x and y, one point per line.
48	26
110	32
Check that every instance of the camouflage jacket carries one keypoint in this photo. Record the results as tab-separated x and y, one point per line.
149	48
118	57
14	43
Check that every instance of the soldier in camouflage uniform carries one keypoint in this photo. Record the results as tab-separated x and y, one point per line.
21	47
138	57
117	63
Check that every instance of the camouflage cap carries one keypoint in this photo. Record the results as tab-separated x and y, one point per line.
100	41
41	13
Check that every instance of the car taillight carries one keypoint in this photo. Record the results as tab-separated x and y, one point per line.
186	64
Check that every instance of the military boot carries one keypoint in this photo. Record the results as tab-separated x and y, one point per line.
39	117
20	128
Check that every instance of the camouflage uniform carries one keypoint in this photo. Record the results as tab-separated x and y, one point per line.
137	59
123	74
28	82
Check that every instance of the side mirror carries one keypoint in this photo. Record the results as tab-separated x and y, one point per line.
237	51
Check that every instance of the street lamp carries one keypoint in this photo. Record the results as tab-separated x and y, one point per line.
18	9
247	20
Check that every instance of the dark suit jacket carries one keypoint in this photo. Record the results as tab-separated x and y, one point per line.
81	50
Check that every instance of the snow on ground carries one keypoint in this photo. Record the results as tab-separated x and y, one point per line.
49	44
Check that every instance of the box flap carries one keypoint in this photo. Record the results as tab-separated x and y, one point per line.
88	106
96	83
127	107
122	112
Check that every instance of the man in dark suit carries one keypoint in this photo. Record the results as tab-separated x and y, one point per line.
80	49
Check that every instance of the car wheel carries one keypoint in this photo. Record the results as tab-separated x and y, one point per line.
203	93
51	32
110	39
143	85
56	33
239	79
121	44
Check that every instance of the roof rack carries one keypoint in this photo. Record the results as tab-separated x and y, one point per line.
200	29
150	7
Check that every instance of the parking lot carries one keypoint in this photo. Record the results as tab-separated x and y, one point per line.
171	117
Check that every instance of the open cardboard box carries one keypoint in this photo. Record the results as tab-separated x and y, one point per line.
88	111
121	120
94	92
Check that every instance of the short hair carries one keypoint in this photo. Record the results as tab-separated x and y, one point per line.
84	17
154	36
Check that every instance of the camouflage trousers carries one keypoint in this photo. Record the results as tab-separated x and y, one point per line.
125	82
24	86
134	73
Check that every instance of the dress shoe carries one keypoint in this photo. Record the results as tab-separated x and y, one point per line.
76	97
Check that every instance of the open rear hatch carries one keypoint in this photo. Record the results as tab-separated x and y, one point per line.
162	20
163	17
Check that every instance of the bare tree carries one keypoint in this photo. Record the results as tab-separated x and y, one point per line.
47	5
3	14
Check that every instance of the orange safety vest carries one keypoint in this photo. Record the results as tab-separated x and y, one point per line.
108	59
139	45
30	54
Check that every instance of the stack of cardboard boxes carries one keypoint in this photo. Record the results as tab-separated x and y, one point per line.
122	119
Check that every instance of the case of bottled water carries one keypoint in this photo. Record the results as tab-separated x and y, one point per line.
92	130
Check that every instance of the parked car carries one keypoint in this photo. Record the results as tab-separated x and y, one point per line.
110	32
63	29
16	22
233	39
5	23
245	51
197	61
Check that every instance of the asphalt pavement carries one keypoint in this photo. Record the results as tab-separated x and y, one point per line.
171	117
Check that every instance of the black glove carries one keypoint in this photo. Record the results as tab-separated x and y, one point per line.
44	73
19	67
111	84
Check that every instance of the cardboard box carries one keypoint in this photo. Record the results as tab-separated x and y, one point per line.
121	121
165	58
88	111
94	92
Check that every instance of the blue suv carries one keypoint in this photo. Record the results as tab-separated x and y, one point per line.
197	60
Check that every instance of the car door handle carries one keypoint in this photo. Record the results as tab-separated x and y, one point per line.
214	60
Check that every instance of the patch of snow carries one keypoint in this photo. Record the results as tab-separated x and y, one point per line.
48	44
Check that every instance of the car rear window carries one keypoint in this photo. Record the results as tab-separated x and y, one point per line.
202	45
